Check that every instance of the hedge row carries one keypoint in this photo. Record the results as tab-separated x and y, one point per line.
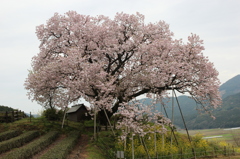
9	134
62	149
18	141
33	148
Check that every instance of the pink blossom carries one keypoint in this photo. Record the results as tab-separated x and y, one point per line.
110	62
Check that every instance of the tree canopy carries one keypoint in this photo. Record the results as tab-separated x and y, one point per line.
110	62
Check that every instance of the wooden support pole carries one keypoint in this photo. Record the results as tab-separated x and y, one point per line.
108	121
65	112
170	126
6	117
132	147
155	143
16	115
193	151
172	120
95	124
13	116
145	147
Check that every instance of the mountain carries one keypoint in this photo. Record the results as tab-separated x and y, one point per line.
33	115
230	87
226	116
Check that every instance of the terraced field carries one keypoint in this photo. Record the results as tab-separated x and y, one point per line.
32	144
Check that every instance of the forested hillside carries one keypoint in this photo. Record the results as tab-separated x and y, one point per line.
230	87
227	115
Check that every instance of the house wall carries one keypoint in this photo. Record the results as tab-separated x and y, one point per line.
72	117
79	115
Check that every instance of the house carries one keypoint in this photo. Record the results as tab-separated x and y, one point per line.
78	113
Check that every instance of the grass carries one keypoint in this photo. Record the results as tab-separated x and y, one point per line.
94	152
227	135
41	124
28	150
62	149
9	134
100	149
18	141
44	126
103	147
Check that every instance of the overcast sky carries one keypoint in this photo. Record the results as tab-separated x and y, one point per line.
217	22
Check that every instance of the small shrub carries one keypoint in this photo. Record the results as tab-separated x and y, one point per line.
50	114
9	134
36	146
61	150
18	141
53	115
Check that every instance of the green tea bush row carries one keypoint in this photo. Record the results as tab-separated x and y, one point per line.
9	134
32	148
18	141
62	149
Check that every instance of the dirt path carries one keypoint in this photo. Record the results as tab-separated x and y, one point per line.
80	150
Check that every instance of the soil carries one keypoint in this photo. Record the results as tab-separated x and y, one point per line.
80	150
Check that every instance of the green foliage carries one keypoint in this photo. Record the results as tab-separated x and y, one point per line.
61	150
18	141
42	125
23	125
34	147
45	125
95	153
53	115
103	147
5	108
9	134
144	146
106	142
4	127
89	123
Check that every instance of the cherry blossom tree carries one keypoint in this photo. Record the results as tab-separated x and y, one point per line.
110	62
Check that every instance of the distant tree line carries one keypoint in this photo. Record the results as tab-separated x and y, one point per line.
5	108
